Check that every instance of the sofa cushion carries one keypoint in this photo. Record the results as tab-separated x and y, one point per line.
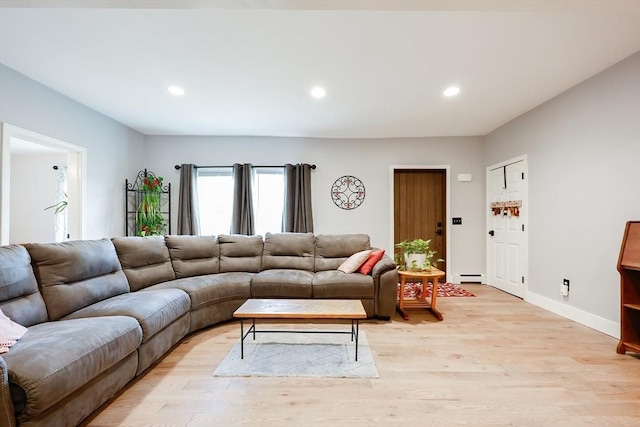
289	250
282	283
372	260
194	255
336	284
19	296
211	288
333	249
54	359
240	253
354	262
145	260
75	274
154	309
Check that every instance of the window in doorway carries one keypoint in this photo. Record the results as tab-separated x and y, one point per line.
61	217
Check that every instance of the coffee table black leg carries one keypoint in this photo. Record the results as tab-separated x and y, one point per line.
241	339
357	332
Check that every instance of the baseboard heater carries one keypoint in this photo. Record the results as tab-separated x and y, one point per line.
469	278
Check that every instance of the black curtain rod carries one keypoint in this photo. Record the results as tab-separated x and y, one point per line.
218	167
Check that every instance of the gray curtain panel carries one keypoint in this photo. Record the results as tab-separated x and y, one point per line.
242	218
297	215
188	219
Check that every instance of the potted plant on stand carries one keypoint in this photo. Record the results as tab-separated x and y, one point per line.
417	254
149	216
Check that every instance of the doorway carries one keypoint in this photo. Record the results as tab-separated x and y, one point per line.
420	208
28	158
507	252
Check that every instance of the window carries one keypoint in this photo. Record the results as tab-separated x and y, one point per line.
215	200
268	199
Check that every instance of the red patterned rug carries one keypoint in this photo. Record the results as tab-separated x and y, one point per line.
413	290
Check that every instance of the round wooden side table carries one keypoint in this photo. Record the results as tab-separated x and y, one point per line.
420	301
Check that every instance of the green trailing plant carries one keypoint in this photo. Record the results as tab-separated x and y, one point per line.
149	216
60	206
416	247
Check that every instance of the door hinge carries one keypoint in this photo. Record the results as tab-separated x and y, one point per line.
522	227
522	279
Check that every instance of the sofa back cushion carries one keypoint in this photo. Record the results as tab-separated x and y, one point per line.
145	260
194	255
20	299
240	253
289	250
333	249
75	274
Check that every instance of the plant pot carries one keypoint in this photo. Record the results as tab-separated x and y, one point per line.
415	261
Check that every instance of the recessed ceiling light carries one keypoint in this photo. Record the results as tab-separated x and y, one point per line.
318	92
451	91
176	90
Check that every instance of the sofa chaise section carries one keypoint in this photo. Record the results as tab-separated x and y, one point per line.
59	372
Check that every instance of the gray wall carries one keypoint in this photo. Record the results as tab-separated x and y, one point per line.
583	151
114	151
368	159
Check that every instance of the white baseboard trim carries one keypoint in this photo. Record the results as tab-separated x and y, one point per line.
479	278
590	320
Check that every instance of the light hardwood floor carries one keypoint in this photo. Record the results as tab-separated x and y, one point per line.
495	360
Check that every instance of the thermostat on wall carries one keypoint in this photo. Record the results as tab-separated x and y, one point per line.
464	177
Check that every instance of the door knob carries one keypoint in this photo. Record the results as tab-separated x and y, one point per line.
439	232
491	233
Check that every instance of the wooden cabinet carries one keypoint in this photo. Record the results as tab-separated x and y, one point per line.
629	268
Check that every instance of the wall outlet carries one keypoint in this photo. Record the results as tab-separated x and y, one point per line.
564	289
456	220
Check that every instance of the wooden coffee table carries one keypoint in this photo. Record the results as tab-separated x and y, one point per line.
348	309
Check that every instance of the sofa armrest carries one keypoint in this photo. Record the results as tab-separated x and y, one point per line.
7	414
385	279
385	264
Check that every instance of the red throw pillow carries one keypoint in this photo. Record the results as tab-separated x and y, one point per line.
373	258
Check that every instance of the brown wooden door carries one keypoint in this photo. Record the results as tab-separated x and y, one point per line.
420	208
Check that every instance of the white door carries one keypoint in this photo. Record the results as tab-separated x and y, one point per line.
507	243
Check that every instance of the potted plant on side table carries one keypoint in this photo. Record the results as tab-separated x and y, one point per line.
417	254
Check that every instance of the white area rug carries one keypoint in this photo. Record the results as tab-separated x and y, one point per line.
299	355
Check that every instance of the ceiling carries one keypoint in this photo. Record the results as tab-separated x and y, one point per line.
247	66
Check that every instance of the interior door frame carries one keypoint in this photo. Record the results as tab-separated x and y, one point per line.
524	208
447	173
77	168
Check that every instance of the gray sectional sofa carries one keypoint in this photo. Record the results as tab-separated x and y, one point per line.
101	312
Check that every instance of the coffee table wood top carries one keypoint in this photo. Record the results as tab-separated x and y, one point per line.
301	309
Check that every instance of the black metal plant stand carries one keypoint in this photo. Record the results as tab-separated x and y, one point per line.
134	194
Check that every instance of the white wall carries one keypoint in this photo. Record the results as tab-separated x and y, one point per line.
583	150
114	152
34	186
370	160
